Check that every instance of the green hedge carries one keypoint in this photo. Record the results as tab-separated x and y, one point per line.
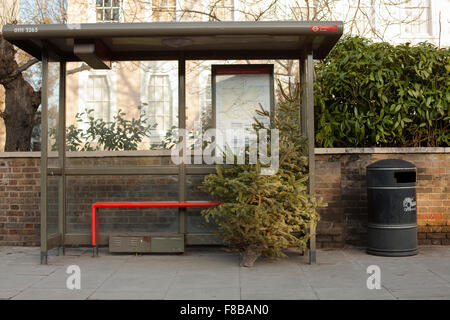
376	94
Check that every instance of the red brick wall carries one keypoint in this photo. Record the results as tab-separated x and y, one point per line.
19	201
340	180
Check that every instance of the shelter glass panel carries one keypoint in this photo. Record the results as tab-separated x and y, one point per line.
83	191
195	222
53	114
53	204
131	108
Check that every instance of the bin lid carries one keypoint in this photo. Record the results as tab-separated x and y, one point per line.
391	163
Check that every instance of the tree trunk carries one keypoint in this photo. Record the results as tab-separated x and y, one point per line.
21	104
251	254
21	101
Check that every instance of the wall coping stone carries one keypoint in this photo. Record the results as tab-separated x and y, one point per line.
145	153
381	150
89	154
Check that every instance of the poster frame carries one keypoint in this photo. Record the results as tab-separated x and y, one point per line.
242	69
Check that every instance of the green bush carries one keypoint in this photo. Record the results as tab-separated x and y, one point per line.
116	135
376	94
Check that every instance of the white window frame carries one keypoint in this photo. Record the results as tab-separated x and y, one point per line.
160	68
166	113
92	12
93	100
148	10
430	27
203	85
111	79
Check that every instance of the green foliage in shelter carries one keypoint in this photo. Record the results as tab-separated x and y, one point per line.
119	134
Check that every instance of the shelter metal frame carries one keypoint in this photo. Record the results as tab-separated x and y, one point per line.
99	44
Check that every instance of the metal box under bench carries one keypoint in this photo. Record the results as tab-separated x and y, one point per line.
142	243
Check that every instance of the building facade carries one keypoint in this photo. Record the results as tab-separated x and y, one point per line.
149	88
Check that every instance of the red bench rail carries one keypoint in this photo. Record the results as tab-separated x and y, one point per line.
135	204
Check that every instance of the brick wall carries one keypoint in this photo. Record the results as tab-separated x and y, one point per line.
340	180
19	201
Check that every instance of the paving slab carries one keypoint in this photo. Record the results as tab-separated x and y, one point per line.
217	274
411	280
90	279
25	269
53	294
208	280
136	282
257	281
348	275
353	294
437	293
278	293
8	294
128	295
18	282
225	293
441	268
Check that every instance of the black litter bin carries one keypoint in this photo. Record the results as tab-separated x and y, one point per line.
392	213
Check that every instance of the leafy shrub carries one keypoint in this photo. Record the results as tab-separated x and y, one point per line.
376	94
119	134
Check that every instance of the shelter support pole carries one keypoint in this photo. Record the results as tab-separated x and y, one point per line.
44	139
182	125
307	125
62	155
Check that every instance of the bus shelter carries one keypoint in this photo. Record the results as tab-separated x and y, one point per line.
98	45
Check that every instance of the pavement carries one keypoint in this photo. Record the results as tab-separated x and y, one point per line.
214	273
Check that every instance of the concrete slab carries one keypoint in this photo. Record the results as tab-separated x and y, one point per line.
136	282
18	282
335	276
53	294
257	281
207	280
127	295
440	268
225	293
278	293
216	274
353	294
8	294
411	280
437	293
26	269
90	279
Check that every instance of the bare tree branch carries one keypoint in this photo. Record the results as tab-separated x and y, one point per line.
83	67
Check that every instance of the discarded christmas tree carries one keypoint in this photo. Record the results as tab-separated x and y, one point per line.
264	214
